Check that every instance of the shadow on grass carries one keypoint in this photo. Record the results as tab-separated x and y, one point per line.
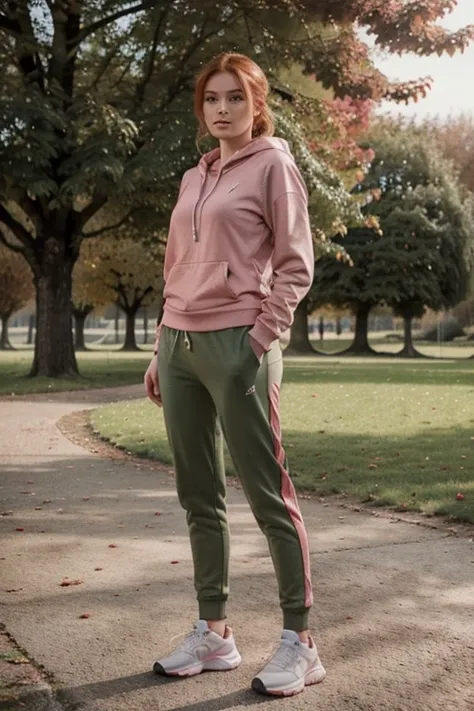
423	472
378	372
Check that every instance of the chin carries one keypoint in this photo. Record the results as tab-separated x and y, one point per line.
218	132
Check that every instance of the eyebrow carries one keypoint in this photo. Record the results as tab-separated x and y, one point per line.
232	91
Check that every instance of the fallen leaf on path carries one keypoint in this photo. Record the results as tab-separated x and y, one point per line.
47	501
157	513
30	482
38	508
6	513
98	569
112	545
66	582
84	616
31	493
20	528
174	562
348	617
12	590
86	498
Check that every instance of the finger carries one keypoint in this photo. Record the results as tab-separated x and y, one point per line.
149	388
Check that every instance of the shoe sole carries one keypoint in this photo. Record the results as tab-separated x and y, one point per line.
260	688
212	665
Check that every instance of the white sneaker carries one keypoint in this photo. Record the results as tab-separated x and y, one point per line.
202	650
293	666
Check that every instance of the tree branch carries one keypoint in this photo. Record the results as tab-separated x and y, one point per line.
10	26
105	64
17	228
97	202
108	228
20	27
112	18
140	93
8	244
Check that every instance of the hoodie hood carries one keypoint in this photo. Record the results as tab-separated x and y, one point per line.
258	145
210	164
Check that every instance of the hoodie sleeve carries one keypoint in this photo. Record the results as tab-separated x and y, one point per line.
286	203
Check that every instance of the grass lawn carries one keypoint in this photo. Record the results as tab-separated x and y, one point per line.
107	366
99	369
395	433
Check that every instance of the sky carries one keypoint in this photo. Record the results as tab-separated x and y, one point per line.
453	86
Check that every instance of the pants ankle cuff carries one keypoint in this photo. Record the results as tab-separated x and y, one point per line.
212	610
296	620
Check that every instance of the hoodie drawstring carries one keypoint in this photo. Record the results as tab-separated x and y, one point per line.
187	341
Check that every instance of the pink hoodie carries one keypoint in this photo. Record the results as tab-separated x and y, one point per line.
239	249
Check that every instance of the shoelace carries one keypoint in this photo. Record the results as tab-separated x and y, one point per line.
287	654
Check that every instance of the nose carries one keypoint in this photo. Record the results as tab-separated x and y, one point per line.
222	109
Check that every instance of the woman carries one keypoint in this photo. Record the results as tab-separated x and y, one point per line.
239	259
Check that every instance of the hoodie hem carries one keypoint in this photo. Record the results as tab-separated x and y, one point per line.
215	321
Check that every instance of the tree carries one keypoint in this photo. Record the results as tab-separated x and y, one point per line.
16	289
88	291
127	272
455	138
95	110
423	256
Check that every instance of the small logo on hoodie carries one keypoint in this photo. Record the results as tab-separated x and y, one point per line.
233	187
251	390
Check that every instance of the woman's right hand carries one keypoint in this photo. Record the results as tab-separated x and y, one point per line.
152	386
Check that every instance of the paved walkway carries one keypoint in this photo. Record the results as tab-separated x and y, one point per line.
394	613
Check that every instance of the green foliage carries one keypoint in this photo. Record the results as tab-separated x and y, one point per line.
424	254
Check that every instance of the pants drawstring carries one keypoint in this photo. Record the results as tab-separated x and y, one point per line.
187	341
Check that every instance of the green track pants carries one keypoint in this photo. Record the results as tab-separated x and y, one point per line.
213	379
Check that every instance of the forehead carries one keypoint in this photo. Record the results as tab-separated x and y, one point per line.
223	82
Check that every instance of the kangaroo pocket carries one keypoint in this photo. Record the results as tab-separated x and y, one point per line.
198	286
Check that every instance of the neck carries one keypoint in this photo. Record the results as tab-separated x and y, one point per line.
230	147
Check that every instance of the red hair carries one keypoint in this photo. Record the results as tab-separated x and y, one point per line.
253	81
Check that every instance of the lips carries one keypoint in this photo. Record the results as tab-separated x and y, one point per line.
221	123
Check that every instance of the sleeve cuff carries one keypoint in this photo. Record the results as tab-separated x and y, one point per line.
263	336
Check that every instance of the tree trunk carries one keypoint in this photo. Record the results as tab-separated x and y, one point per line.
80	316
409	350
54	347
31	327
5	344
299	340
360	344
130	340
145	326
117	324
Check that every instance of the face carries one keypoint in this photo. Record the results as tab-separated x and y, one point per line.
228	112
